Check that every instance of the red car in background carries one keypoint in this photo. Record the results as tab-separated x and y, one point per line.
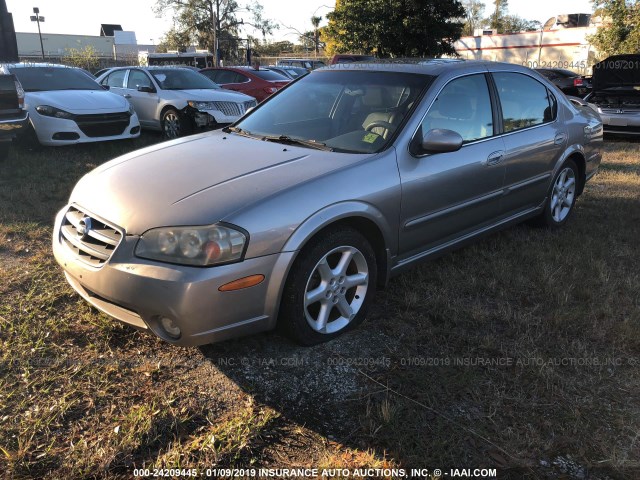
259	83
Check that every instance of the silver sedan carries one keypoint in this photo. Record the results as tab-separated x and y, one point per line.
296	214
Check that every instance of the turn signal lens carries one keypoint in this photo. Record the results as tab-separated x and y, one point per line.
241	283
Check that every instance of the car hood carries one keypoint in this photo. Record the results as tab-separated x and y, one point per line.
616	72
198	180
210	95
78	101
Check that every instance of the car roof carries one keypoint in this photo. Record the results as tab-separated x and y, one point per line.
434	67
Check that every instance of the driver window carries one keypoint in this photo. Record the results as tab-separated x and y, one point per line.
137	78
115	79
464	106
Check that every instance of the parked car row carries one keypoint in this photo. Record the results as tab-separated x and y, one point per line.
68	105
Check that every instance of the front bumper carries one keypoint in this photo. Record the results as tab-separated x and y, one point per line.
58	131
138	292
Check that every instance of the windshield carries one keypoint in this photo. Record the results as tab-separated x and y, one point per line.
270	75
350	111
39	79
181	79
296	72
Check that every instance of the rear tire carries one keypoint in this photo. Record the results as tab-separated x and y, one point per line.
561	198
329	288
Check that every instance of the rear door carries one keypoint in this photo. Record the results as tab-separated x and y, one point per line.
534	139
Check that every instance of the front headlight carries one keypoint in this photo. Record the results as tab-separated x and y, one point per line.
201	105
49	111
199	246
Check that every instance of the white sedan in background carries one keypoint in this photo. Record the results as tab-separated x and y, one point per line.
176	100
66	106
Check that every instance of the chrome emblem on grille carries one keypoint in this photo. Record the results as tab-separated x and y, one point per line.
84	226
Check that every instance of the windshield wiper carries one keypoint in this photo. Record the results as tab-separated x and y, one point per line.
297	141
239	131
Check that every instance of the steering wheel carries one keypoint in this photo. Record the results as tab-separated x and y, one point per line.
381	124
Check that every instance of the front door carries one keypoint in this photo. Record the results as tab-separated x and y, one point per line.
145	103
446	196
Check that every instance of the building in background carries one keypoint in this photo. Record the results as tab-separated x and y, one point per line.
560	43
113	46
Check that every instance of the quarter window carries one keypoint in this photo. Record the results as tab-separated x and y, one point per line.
525	102
464	106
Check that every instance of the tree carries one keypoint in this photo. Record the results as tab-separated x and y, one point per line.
315	21
620	31
175	40
395	27
496	20
86	57
473	18
211	22
515	24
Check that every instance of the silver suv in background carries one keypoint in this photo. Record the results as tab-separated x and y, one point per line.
292	217
176	100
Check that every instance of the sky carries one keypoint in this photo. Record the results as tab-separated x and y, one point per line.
83	17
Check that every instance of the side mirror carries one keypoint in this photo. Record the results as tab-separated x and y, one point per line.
146	89
440	140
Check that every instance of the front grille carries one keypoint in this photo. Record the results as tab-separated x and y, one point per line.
103	124
93	247
230	109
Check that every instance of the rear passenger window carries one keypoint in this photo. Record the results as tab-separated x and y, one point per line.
464	106
525	102
116	79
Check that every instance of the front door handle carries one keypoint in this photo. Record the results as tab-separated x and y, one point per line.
560	138
126	95
494	158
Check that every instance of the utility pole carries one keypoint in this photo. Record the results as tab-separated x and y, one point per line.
37	18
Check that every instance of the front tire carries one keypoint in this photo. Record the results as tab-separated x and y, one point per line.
562	197
329	288
174	124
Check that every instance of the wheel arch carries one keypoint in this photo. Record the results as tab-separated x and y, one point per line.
576	154
363	217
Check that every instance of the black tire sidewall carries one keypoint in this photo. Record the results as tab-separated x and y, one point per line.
291	320
183	124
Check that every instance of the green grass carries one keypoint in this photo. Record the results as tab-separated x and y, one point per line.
483	358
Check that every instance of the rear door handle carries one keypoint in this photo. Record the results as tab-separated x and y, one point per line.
494	158
560	138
